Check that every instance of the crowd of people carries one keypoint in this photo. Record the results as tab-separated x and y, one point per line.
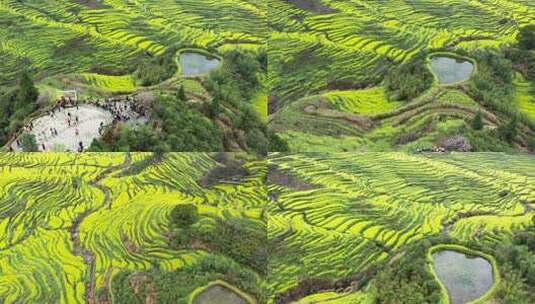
121	108
67	108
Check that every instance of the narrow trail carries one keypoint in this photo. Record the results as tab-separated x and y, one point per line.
79	248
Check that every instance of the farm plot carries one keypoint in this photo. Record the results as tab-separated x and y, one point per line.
108	49
336	219
73	36
336	55
95	228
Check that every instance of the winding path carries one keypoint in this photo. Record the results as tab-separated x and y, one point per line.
79	248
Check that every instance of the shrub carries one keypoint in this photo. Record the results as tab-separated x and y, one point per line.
241	241
181	93
28	142
477	122
526	37
27	93
408	81
153	70
184	215
509	131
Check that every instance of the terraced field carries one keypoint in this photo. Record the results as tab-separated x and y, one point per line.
328	61
99	48
95	228
338	219
63	36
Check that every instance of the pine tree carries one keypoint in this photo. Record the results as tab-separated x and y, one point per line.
181	93
477	122
27	93
214	108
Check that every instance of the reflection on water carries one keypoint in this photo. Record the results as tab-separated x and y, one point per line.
218	294
450	70
195	64
466	278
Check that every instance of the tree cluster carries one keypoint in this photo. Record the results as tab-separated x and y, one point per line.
408	80
517	260
174	126
16	105
235	84
239	239
176	286
153	70
408	279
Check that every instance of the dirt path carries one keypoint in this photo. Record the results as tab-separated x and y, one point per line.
79	248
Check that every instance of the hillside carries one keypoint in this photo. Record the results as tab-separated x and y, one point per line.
111	228
358	76
357	228
205	59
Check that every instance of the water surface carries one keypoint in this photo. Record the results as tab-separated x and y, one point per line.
218	294
450	70
465	277
195	64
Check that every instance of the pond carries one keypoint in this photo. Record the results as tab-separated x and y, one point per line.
218	294
196	64
465	277
451	70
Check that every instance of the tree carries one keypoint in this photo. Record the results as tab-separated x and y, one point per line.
140	138
277	144
477	122
181	93
257	141
508	132
28	142
526	37
214	108
174	126
408	81
184	215
182	238
27	93
153	70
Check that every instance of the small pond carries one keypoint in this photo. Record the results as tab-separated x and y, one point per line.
218	294
451	70
465	277
195	63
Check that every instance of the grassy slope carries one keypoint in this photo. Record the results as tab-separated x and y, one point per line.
368	208
124	218
95	48
354	43
524	96
59	35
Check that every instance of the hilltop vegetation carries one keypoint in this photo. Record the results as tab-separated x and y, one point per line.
107	49
105	228
330	61
357	228
16	104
